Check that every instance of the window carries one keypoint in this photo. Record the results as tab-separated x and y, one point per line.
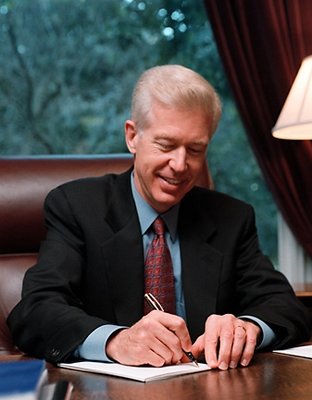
67	69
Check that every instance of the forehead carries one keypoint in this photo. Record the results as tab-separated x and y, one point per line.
171	122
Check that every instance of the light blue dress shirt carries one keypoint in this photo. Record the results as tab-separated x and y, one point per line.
93	347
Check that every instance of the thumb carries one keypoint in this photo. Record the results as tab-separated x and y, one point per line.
198	346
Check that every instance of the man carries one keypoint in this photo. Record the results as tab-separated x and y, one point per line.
84	298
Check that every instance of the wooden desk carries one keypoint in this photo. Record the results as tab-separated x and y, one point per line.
270	376
304	293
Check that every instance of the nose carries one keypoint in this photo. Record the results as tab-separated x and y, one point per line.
178	160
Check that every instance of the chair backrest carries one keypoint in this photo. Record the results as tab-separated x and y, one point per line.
24	184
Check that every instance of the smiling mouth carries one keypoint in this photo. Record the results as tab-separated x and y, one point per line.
174	182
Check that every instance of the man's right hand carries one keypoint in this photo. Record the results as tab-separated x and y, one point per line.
157	339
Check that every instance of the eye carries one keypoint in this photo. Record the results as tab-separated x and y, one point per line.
195	150
165	145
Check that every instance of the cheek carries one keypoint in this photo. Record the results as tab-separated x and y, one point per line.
199	164
145	173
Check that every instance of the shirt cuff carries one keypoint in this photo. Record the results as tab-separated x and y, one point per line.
93	347
268	335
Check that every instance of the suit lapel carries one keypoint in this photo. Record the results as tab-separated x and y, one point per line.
123	254
201	266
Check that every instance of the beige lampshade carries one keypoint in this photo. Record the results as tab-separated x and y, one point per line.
295	119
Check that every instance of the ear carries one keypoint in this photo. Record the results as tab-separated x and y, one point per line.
130	135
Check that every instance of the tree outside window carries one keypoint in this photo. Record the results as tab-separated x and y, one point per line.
67	69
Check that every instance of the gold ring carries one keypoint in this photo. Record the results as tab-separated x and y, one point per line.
240	326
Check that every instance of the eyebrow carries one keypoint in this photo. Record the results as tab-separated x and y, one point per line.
167	138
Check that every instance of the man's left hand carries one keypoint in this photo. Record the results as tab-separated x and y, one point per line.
227	342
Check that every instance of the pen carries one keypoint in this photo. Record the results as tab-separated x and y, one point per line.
154	303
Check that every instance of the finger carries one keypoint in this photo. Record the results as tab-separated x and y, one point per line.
238	345
164	352
248	353
146	342
168	346
211	341
226	343
198	347
169	332
152	358
128	347
219	337
172	331
178	326
252	332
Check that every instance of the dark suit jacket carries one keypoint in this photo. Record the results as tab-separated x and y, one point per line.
90	268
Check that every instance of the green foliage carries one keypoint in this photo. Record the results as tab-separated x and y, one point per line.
67	69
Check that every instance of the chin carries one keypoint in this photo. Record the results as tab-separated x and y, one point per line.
163	205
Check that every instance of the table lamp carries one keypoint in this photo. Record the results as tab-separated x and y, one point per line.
295	119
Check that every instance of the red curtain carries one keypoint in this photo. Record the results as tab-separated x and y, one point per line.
262	44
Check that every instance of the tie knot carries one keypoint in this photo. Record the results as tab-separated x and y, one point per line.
159	226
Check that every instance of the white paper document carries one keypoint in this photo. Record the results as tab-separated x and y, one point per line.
301	351
143	374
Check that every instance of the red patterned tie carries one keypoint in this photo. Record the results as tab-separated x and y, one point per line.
159	278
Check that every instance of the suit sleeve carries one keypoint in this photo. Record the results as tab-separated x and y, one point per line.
265	293
49	322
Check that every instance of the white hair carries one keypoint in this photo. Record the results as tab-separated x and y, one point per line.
174	86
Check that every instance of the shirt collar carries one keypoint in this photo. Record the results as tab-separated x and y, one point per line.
147	214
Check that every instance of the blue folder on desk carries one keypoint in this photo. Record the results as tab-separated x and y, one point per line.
21	380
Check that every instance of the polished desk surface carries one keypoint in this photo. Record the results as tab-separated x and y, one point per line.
303	289
270	376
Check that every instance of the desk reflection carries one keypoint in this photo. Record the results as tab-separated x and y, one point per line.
242	382
268	377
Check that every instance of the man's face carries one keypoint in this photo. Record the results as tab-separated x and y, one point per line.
169	154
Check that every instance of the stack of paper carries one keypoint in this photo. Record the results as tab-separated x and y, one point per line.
143	374
300	351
